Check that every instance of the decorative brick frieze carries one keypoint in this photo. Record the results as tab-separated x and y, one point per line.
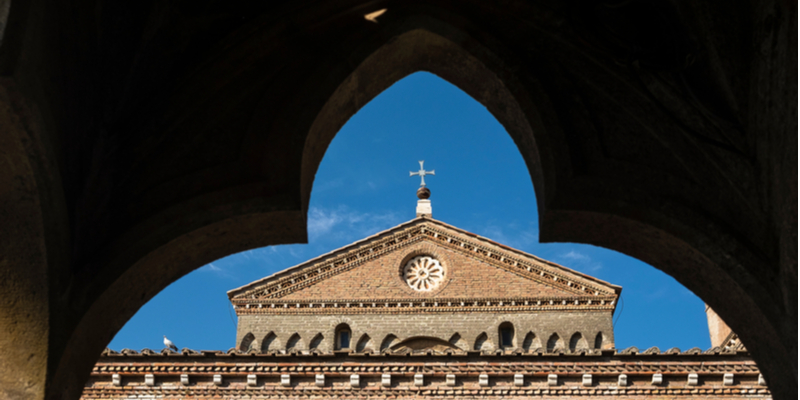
458	363
393	306
120	376
658	379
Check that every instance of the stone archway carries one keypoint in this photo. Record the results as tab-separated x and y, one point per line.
179	156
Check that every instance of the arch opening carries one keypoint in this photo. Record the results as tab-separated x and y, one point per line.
554	343
364	344
577	342
505	334
295	343
248	342
316	342
343	336
531	342
269	343
598	340
389	341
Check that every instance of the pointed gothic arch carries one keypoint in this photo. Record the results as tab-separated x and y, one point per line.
744	274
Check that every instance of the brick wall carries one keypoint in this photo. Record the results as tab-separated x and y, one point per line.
465	276
440	325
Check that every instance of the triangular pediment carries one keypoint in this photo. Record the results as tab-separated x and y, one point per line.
475	271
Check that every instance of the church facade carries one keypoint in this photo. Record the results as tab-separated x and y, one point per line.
425	285
427	310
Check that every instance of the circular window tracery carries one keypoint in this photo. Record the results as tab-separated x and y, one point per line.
423	273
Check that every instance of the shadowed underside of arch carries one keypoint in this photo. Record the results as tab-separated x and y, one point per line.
665	140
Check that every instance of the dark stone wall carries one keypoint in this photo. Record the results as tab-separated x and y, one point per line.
142	140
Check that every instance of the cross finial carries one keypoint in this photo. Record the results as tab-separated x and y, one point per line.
422	173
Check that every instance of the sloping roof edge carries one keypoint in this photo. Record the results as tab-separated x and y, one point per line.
288	271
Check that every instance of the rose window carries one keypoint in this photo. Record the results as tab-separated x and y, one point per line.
423	273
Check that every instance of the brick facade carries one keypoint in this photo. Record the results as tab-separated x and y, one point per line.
468	326
441	342
484	285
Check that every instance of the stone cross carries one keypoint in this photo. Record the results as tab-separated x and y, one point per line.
422	173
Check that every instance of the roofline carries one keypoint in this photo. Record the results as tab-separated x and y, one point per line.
231	293
617	288
323	256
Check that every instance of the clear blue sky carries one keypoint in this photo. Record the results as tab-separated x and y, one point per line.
362	187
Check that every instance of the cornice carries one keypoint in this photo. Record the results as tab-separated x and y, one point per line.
512	374
416	393
417	305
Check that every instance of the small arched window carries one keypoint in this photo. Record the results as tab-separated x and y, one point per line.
598	340
343	336
506	332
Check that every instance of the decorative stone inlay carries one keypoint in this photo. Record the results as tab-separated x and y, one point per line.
423	273
727	380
